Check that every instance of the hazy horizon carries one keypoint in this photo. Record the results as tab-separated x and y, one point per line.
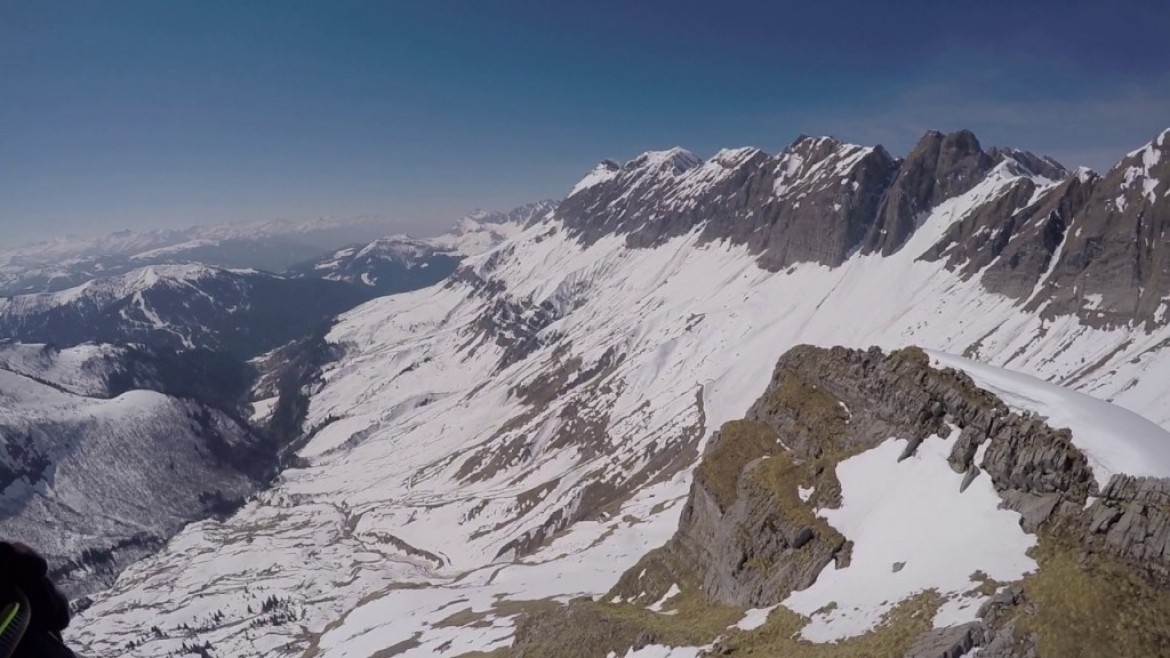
140	115
428	227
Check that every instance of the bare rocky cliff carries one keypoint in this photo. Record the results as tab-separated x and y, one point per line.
938	168
813	202
1114	264
1093	246
819	200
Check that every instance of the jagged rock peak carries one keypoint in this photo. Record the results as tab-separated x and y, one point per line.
818	200
939	167
1077	243
955	153
823	146
1159	143
1030	164
649	165
808	154
808	143
813	202
1110	271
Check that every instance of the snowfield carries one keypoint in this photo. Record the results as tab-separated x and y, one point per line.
438	457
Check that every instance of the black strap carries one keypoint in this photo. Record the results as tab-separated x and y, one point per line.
15	614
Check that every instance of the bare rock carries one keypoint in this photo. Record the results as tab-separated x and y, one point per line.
938	168
1131	521
949	642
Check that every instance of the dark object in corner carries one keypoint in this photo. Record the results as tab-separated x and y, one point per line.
24	579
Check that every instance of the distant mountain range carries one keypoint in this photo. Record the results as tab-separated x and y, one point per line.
183	302
271	246
136	385
399	263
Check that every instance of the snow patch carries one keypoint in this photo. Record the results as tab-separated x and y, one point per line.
909	512
660	651
754	618
262	409
670	594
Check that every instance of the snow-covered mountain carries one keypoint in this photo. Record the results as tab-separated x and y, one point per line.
157	354
97	473
244	312
541	426
270	245
392	264
400	263
274	246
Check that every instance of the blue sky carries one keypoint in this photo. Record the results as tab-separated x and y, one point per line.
148	114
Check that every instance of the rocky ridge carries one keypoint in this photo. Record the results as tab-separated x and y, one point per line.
750	533
1065	243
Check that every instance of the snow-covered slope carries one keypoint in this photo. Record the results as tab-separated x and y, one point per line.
81	370
527	430
400	263
97	480
182	306
269	245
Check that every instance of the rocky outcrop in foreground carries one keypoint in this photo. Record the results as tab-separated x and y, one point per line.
749	534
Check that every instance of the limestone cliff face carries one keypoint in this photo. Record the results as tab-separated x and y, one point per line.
1115	264
813	202
1092	246
1032	243
746	533
938	168
1131	521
